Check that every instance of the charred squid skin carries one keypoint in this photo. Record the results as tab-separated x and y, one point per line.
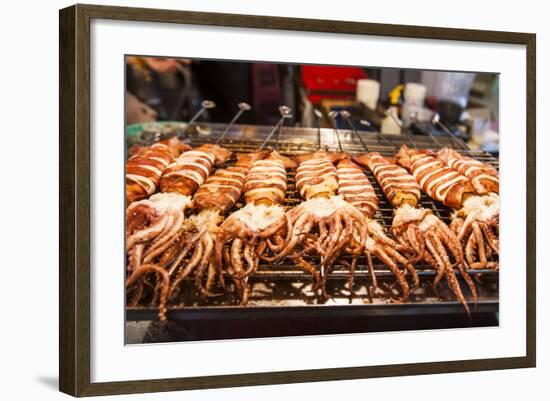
235	254
439	270
193	262
391	253
163	242
160	237
270	231
446	237
374	281
134	300
408	266
445	183
308	268
351	278
208	246
153	226
275	244
453	245
138	273
148	233
237	263
343	238
479	238
414	236
249	250
134	257
474	224
383	256
211	276
466	228
438	252
332	239
480	244
219	250
492	240
294	240
469	250
177	257
159	247
251	253
456	225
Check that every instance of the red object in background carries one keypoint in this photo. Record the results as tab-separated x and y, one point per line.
330	82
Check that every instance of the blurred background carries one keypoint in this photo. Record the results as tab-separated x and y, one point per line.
387	100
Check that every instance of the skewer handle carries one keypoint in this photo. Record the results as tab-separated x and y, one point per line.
205	105
319	116
436	121
347	116
414	118
286	112
242	108
332	115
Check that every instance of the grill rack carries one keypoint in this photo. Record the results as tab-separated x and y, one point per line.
293	283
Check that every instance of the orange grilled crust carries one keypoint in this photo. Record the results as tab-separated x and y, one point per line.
266	181
484	178
355	187
439	181
188	172
144	170
316	175
222	190
398	185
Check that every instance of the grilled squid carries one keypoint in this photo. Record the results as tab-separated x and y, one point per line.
484	178
145	242
324	224
154	225
476	218
356	189
243	236
476	222
417	229
145	167
195	250
192	168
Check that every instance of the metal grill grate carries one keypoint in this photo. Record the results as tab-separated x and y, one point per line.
284	284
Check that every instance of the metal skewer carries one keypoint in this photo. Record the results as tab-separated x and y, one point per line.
379	136
408	134
332	115
319	116
414	118
286	112
205	105
436	121
242	108
366	123
347	117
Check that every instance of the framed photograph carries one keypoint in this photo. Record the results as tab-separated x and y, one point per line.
281	200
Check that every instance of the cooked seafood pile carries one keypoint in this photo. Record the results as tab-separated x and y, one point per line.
202	220
422	233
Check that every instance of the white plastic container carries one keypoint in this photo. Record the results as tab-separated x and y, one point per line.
390	125
415	95
368	92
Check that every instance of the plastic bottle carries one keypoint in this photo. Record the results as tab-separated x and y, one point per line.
368	92
414	96
389	123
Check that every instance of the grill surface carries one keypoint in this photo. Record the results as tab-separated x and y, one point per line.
276	285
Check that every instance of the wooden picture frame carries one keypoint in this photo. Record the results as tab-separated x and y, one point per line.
74	203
